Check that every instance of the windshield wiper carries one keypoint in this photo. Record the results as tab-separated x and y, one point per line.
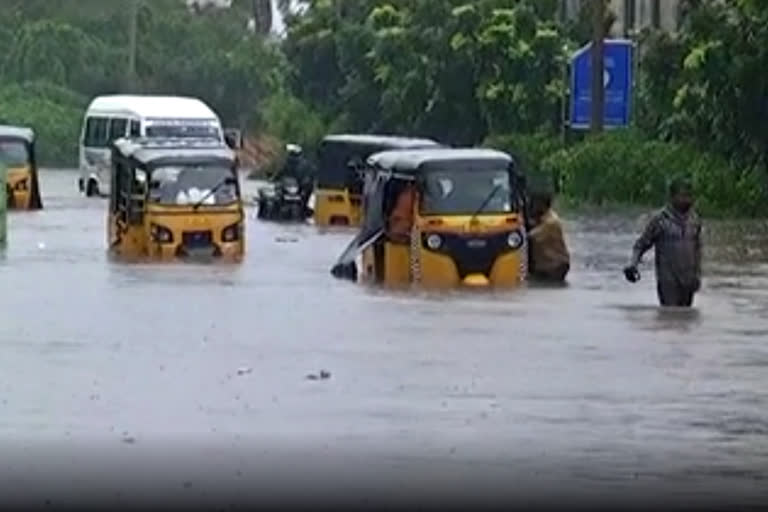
487	200
215	189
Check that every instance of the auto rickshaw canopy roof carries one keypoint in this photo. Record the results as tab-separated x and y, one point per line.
24	133
382	141
152	152
413	162
337	150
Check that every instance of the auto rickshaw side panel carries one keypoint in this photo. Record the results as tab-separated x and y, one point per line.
337	207
507	270
369	266
397	263
126	240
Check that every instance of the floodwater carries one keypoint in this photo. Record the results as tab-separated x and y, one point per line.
141	381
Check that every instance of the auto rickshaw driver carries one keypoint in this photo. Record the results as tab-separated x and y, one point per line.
401	219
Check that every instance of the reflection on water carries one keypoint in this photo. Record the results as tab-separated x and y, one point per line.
593	375
652	318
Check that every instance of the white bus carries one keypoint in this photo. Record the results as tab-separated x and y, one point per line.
111	117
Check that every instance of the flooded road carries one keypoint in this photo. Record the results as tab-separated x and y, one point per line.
191	379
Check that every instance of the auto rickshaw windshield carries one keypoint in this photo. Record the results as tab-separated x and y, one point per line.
14	153
466	192
189	184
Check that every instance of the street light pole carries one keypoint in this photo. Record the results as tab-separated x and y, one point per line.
598	88
563	16
133	29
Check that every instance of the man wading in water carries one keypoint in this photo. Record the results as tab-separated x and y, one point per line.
550	260
675	232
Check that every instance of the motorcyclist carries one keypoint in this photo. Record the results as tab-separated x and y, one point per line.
296	166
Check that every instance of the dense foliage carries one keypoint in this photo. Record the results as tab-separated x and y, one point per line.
449	69
493	70
465	72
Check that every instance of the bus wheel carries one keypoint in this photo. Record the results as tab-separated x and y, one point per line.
92	189
80	185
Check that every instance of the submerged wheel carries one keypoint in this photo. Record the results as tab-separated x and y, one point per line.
93	189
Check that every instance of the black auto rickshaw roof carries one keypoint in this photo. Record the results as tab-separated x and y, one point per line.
374	140
153	151
337	150
418	160
17	132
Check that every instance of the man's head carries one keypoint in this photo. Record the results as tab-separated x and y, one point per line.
681	194
293	150
541	202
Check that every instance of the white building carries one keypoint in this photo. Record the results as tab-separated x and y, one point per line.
634	15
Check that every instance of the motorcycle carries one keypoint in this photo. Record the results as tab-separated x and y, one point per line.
282	200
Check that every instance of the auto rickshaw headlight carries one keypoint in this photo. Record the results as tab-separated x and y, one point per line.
161	234
231	233
434	241
515	240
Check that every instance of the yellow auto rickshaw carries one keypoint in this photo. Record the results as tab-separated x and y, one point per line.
175	198
463	224
338	185
17	153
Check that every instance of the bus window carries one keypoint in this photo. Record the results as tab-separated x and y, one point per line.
135	128
117	128
96	132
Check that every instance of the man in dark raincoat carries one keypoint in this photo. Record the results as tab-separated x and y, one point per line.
675	233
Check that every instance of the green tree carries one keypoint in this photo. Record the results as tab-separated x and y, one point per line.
450	69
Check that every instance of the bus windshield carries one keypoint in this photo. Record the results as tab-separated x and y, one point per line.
14	153
209	185
182	130
466	192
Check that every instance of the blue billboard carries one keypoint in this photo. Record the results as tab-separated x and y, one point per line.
618	79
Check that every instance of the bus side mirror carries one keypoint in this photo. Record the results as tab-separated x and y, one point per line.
233	138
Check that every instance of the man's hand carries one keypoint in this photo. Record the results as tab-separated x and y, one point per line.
631	273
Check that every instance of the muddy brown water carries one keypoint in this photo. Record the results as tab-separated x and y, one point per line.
191	379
